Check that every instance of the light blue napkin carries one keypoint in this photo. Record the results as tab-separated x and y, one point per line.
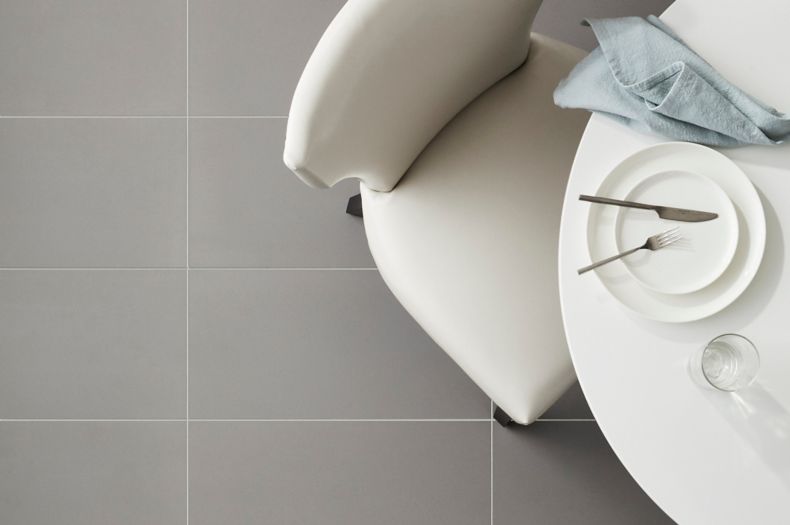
644	74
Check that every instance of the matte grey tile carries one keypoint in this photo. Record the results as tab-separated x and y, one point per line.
246	56
92	344
92	192
561	19
572	405
93	473
315	344
93	57
564	472
332	473
248	210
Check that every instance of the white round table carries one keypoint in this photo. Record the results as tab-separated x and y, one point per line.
703	456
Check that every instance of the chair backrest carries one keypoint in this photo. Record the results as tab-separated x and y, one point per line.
387	75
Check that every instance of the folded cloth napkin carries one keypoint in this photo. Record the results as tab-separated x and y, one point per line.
644	74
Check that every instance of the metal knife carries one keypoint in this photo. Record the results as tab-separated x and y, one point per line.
665	212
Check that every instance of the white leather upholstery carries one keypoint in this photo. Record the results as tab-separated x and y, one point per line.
389	74
468	240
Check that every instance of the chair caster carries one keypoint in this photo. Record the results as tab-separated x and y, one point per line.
354	206
502	418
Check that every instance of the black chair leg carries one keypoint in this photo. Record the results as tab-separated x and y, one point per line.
502	418
354	206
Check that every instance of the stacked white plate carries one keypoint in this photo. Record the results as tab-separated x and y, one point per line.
711	265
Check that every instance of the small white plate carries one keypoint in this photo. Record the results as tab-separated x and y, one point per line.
706	248
723	291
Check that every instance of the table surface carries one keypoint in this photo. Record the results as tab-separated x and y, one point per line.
703	456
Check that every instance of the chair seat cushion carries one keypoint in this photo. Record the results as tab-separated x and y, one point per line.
468	239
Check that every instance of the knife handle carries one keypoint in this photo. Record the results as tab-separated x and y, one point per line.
615	202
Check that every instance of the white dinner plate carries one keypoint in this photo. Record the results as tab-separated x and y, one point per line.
678	156
706	248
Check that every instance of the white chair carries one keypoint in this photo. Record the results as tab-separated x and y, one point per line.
463	160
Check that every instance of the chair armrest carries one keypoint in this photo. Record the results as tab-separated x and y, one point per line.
387	75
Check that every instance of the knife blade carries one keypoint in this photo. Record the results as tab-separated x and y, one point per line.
665	212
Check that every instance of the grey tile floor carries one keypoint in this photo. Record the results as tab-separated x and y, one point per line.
190	335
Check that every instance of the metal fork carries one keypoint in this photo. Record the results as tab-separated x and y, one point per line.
654	242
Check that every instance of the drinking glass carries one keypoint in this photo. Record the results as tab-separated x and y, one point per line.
729	362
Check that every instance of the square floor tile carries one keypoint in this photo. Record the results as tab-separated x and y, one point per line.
246	209
92	192
315	344
93	473
93	57
246	56
330	473
564	472
92	344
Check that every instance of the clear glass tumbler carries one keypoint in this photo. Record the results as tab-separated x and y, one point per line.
729	362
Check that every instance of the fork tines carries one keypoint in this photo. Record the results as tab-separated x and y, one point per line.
668	237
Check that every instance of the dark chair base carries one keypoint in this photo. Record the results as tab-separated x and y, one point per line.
502	418
354	206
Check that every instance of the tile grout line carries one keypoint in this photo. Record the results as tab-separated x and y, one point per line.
186	122
88	269
202	420
186	117
344	420
90	420
172	268
491	460
240	116
285	269
282	420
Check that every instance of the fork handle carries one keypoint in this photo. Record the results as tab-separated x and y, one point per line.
609	259
615	202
